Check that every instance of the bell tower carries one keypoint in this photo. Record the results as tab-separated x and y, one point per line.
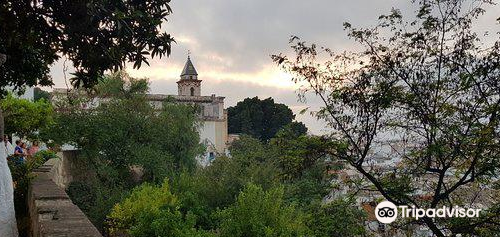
189	85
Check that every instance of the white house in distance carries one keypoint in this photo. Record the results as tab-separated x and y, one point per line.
213	116
213	130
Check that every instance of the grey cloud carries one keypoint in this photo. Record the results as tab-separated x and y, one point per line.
246	32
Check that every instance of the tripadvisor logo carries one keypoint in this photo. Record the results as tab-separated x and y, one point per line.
386	212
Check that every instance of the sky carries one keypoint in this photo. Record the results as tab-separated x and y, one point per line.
231	42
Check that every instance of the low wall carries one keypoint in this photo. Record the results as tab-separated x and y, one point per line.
52	213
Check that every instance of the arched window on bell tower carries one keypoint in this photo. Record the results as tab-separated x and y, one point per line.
192	91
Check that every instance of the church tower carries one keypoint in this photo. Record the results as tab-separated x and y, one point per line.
189	85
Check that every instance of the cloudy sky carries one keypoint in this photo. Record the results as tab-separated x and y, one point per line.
231	42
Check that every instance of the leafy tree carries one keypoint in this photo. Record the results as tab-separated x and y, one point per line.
121	135
295	129
95	36
125	130
298	154
24	117
120	85
250	188
428	87
261	213
337	218
39	94
152	211
216	186
260	118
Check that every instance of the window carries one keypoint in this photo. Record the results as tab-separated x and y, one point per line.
192	91
211	156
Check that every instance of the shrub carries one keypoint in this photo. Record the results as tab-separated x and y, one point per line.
152	211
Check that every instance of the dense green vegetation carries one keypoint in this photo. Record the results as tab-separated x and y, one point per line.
262	119
23	117
106	35
142	178
253	193
123	141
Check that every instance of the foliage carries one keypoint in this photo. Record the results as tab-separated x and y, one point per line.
245	195
217	185
120	85
260	118
337	218
261	213
105	36
146	198
43	156
298	154
83	195
429	88
122	137
250	162
303	163
126	130
152	211
23	117
294	129
39	94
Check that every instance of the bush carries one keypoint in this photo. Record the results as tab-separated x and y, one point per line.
43	156
152	211
258	213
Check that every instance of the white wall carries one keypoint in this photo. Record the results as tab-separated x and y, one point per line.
207	131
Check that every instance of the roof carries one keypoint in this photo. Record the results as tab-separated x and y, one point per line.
189	69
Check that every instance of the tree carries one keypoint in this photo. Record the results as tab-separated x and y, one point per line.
39	94
25	118
260	118
152	211
302	164
337	218
295	129
254	198
295	155
431	86
217	186
261	213
96	36
121	134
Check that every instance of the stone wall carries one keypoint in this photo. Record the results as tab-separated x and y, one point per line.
52	213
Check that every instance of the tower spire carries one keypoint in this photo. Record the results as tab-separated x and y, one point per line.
189	71
189	85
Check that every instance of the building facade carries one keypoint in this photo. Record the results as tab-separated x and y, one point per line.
213	116
211	112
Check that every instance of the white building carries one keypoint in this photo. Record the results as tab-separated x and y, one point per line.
213	130
213	116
